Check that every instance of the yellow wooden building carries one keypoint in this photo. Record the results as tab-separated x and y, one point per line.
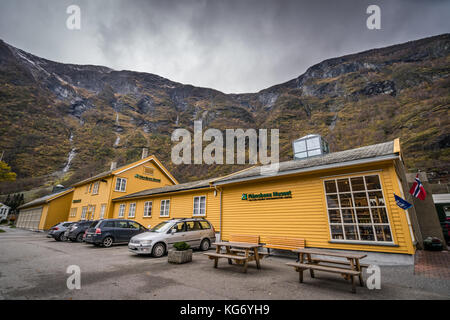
92	197
43	213
341	200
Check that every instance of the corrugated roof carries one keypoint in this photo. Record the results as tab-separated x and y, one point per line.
372	151
167	189
44	199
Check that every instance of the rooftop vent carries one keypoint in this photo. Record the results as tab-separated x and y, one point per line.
57	188
309	146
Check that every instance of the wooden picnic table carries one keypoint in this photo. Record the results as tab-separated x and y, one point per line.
249	250
349	268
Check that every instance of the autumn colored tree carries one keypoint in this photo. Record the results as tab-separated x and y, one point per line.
5	172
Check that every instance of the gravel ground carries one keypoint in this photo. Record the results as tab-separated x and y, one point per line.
34	267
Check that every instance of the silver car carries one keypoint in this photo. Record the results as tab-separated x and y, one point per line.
198	233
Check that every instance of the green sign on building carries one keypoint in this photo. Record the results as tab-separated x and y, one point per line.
266	196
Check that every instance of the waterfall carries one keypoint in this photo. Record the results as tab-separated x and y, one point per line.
71	155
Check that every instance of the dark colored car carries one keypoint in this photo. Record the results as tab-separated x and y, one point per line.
109	231
76	231
57	231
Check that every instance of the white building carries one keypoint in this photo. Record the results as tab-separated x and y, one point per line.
4	210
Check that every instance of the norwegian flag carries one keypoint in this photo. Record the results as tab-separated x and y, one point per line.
417	189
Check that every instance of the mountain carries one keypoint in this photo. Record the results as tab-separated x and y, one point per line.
52	112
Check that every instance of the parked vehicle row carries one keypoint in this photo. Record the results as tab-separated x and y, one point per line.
197	232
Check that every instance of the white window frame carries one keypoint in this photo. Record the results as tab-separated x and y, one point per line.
369	207
121	185
96	187
164	210
122	208
198	213
73	212
102	211
84	212
132	210
148	209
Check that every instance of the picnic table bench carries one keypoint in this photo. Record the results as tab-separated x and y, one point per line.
353	270
246	238
284	243
241	259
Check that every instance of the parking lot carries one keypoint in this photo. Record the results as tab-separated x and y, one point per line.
34	267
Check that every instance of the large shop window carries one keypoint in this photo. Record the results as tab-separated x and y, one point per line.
357	209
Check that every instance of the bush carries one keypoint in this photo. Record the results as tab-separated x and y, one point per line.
181	246
1	230
3	221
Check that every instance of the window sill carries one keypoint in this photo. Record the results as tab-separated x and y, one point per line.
370	243
146	217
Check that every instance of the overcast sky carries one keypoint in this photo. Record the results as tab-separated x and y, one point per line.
233	46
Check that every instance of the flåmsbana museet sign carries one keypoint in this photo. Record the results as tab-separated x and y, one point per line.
266	196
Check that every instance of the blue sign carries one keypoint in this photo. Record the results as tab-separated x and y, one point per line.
402	203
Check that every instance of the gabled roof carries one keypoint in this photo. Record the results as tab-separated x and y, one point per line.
45	199
376	152
126	168
177	187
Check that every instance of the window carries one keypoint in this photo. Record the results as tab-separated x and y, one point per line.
90	188
91	211
83	213
122	224
109	224
121	184
193	226
148	209
96	186
205	225
165	207
73	212
199	206
179	227
122	210
132	210
102	211
133	225
357	209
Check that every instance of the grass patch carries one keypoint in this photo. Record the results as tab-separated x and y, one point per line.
1	231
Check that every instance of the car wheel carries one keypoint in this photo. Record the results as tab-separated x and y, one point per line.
79	237
107	242
60	237
158	250
205	245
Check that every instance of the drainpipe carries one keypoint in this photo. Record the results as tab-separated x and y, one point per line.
220	212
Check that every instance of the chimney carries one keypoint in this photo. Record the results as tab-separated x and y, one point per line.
113	165
144	153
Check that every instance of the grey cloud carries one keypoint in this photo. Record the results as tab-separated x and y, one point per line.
232	46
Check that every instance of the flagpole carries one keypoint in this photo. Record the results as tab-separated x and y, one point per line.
413	238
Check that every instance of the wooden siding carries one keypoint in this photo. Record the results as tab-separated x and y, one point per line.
305	214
